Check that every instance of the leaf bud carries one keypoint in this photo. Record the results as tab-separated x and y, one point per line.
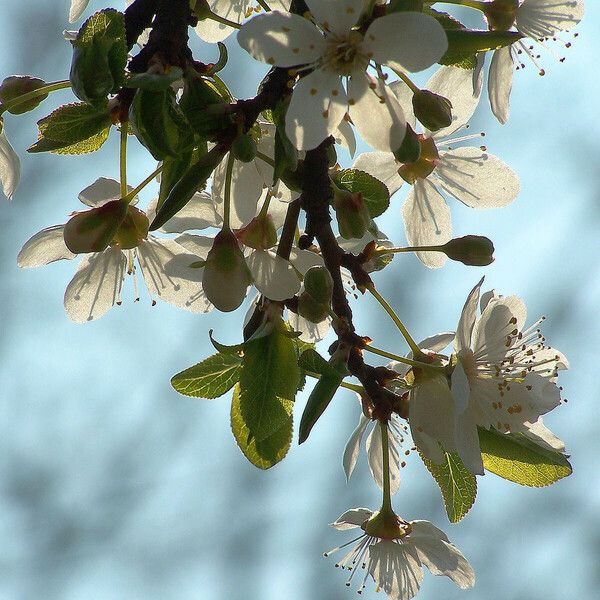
259	234
319	284
244	148
93	230
410	149
17	85
352	214
473	250
226	276
433	110
311	309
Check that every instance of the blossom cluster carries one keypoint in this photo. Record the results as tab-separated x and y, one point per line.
235	176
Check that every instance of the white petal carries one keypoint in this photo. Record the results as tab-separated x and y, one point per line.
198	245
273	275
478	74
165	266
309	332
103	190
375	112
437	342
456	85
467	442
281	39
352	518
427	221
467	319
352	449
476	178
375	459
543	18
381	165
460	388
10	167
541	435
199	213
406	40
396	569
404	95
500	80
336	15
344	136
77	8
96	285
318	105
439	555
303	260
233	10
486	298
44	247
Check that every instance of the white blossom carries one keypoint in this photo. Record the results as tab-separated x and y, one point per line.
396	564
469	174
333	52
77	8
10	166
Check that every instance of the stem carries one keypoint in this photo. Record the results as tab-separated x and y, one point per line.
385	446
264	5
265	158
401	359
214	17
390	311
227	192
133	193
286	241
397	250
407	81
46	89
123	158
476	4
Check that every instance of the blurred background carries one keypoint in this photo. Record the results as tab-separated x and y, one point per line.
113	486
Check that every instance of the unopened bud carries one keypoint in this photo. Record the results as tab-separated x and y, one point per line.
259	234
244	148
93	230
319	284
410	149
226	276
433	110
351	212
132	230
310	309
473	250
18	85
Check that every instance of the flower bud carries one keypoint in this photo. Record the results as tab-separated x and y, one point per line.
433	110
226	276
410	149
93	230
319	284
473	250
259	234
351	212
310	309
132	230
17	85
244	148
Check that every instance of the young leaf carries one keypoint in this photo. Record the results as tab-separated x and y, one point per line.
199	101
266	452
457	484
154	81
519	459
312	361
374	192
268	383
222	348
285	154
318	401
210	378
91	144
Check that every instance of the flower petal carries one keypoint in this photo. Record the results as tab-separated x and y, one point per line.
303	260
467	441
165	266
541	435
500	80
309	332
344	136
476	178
375	112
352	518
460	388
199	213
103	190
77	8
406	40
381	165
198	245
10	167
317	107
44	247
233	10
375	459
281	39
439	555
427	221
404	95
436	342
96	285
273	275
352	449
467	319
544	18
336	15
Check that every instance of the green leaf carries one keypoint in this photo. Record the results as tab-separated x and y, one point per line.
268	383
73	129
463	44
317	403
154	81
99	56
312	361
521	460
222	60
285	153
266	452
202	104
375	193
236	349
172	171
210	378
457	484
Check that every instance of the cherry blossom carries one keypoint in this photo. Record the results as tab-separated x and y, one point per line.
10	166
